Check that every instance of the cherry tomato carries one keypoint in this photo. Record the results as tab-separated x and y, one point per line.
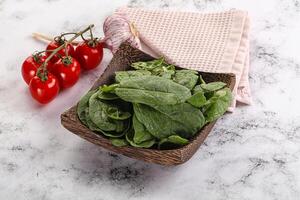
55	44
44	91
67	71
89	54
30	66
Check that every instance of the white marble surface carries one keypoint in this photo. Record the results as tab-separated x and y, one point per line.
253	153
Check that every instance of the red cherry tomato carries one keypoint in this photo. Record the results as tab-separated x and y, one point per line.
30	66
89	56
55	44
44	91
67	71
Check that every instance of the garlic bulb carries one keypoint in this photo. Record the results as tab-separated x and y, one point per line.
117	29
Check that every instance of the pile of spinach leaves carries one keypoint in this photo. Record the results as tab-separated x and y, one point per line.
153	106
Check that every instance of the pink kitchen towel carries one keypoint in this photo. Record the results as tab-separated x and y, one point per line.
207	42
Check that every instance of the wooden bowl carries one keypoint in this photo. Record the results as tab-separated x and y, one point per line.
121	61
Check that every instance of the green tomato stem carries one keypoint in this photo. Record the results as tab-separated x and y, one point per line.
67	60
69	33
42	71
91	33
68	42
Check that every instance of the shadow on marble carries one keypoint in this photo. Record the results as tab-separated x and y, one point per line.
93	165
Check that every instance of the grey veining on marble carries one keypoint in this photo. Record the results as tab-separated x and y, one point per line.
253	153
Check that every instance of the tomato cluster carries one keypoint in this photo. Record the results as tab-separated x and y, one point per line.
46	77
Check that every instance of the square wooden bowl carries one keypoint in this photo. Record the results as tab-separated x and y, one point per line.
121	61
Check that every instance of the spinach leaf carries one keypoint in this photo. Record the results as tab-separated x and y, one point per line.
140	132
119	142
213	86
120	75
120	125
107	96
157	67
208	89
152	90
146	97
82	105
92	126
217	104
98	115
116	113
146	144
198	100
166	71
149	65
187	78
125	127
162	121
119	132
167	74
172	141
113	134
196	89
107	115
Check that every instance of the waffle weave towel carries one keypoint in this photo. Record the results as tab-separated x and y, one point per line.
208	42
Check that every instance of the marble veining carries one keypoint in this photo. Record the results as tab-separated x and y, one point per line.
253	153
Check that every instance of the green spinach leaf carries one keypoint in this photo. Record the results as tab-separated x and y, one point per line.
152	90
172	142
187	78
116	113
92	126
82	105
198	99
149	65
107	96
140	132
157	67
196	89
121	131
146	144
119	142
162	121
121	75
121	127
98	115
213	86
217	104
